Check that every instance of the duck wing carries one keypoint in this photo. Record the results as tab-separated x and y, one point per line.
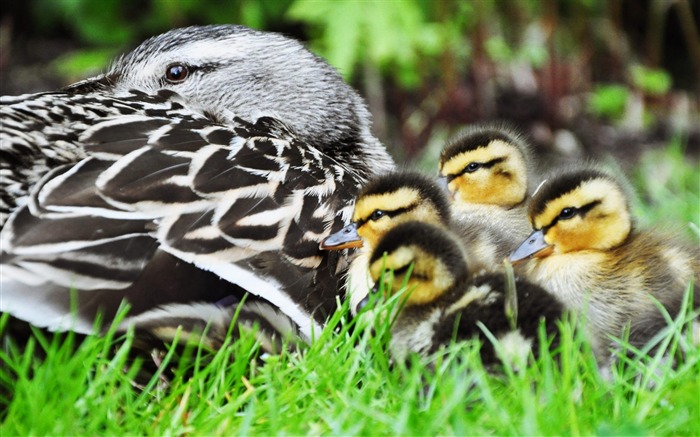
165	212
40	132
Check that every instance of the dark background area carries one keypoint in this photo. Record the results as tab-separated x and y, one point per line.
582	77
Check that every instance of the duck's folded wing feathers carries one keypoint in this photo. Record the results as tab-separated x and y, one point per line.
242	204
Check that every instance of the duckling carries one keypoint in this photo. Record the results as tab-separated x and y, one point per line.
486	169
443	301
395	198
586	250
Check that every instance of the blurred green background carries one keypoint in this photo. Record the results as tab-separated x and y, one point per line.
584	78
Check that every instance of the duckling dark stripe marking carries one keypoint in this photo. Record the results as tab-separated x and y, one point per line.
394	181
427	188
487	164
582	211
471	141
404	269
561	185
390	213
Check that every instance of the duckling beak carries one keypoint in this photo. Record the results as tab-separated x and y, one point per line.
533	246
343	239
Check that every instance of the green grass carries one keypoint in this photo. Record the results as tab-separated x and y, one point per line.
345	384
668	183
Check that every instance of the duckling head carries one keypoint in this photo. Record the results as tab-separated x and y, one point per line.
422	257
486	164
387	201
586	209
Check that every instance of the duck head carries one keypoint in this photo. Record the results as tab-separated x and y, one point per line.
585	209
387	201
487	165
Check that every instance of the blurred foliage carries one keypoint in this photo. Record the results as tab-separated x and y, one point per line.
608	101
427	66
83	62
669	185
651	81
123	22
407	39
113	25
348	32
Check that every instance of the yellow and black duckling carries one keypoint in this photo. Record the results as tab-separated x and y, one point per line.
398	197
586	251
442	301
487	168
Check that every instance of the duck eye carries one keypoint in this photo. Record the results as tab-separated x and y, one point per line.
176	73
567	213
473	166
377	214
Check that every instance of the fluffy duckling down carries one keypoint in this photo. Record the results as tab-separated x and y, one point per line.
396	198
442	301
586	250
487	169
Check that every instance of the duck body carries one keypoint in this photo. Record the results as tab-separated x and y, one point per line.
615	288
492	232
586	251
196	171
444	302
218	72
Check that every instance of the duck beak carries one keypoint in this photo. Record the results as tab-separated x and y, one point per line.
343	239
534	246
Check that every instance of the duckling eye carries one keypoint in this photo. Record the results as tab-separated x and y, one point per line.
176	73
377	214
473	166
567	213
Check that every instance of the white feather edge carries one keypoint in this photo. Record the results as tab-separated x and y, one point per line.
267	288
37	305
212	314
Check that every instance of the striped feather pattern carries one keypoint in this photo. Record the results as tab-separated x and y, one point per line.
42	131
177	196
237	201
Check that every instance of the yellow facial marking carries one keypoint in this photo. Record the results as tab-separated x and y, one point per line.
429	279
400	198
504	183
416	208
605	226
